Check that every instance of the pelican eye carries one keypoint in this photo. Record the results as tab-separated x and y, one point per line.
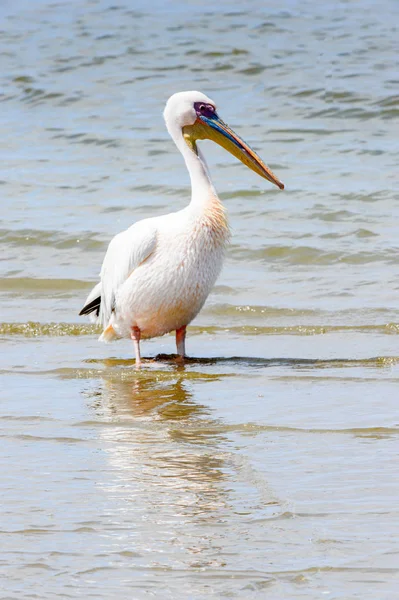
204	110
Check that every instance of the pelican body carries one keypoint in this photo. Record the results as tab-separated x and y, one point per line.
157	274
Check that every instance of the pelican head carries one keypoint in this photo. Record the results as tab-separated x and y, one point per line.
194	115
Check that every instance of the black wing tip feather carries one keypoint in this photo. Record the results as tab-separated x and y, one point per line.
94	305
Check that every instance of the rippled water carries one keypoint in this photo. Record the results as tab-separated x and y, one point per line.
267	466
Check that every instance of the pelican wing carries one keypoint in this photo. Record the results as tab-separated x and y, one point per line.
92	305
126	252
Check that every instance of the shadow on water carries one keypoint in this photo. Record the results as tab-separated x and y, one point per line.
254	362
169	367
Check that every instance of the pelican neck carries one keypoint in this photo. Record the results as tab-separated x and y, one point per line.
201	184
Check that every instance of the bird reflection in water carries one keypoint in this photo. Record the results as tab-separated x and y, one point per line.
167	458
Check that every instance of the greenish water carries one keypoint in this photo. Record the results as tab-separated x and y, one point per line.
266	466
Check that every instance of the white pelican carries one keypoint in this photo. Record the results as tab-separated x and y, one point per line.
157	274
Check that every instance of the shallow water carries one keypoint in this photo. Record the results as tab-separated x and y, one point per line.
266	467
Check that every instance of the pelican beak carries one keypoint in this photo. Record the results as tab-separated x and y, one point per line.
213	128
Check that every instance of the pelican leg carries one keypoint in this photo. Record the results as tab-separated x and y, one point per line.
135	336
181	341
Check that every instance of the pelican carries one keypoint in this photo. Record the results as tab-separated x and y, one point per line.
157	274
